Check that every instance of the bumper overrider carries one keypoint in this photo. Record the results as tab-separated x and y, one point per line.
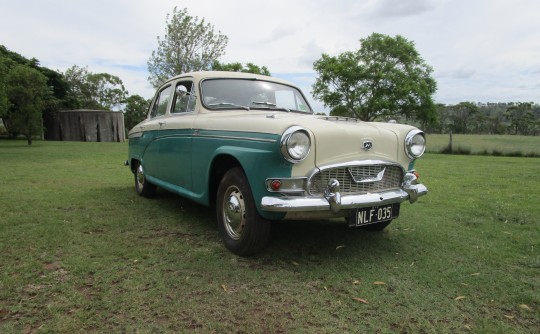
333	201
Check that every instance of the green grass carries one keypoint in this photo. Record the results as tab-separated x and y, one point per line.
81	252
486	144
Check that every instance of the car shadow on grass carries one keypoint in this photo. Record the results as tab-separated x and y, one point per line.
290	241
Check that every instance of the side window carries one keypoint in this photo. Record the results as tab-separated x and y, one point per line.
160	105
184	97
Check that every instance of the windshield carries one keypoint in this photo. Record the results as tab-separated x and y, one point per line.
252	94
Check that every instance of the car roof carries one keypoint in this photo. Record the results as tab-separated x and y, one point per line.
228	75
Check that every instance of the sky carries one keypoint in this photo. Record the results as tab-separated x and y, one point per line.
480	50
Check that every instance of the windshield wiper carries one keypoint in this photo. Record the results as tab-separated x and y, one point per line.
262	103
228	104
270	105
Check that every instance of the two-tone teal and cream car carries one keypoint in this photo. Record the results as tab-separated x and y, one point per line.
251	147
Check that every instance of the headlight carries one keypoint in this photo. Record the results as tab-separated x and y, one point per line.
295	144
415	144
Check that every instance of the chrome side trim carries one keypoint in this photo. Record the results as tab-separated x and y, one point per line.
235	138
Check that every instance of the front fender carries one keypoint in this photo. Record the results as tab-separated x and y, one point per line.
258	164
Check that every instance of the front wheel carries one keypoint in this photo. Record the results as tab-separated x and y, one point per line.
142	186
243	231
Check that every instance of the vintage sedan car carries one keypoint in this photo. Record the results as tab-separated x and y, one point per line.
251	146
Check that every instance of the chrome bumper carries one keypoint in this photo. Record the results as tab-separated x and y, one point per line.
335	202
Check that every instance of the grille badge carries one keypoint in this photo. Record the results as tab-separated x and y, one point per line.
368	179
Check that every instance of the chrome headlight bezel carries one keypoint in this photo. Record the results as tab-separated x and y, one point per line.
415	144
295	144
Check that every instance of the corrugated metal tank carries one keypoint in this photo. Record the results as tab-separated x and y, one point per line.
86	125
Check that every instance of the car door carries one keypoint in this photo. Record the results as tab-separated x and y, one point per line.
175	138
152	132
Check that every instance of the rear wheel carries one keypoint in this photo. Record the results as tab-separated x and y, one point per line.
142	186
243	231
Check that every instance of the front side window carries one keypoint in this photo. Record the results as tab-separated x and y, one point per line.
162	101
184	100
250	94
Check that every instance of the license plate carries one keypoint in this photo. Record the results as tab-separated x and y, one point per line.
373	215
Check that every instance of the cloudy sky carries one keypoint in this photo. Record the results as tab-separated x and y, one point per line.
481	50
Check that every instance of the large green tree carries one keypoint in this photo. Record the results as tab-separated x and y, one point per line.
385	78
189	44
89	90
28	96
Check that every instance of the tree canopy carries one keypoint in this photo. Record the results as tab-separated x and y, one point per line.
239	67
28	96
189	45
89	90
384	78
135	112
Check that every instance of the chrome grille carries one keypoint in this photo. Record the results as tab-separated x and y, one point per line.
369	177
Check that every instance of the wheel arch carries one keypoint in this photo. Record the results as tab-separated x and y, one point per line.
133	162
220	165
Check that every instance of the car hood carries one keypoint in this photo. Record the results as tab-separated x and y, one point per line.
336	139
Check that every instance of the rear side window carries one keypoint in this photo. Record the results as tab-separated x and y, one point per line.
162	101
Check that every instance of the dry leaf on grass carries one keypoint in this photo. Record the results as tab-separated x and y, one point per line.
363	301
459	298
340	247
224	287
379	283
524	307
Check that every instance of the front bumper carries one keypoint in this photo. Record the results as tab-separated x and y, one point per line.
333	200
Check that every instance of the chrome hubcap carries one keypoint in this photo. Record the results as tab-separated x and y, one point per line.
234	212
140	177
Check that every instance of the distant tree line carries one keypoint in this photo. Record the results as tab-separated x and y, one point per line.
515	118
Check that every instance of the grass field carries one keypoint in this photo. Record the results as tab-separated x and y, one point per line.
81	252
486	144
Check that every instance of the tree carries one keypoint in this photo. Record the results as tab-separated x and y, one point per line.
462	117
239	67
136	110
28	95
3	87
384	78
521	117
89	90
188	45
